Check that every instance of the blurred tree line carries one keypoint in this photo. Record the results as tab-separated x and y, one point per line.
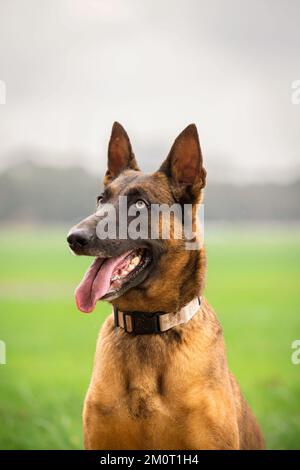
32	193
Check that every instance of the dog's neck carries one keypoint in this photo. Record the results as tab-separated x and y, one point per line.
183	282
141	323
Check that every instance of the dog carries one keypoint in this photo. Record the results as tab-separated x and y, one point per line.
160	378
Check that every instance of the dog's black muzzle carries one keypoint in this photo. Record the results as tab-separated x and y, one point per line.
83	240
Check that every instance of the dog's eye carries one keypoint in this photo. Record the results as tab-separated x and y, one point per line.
140	204
99	198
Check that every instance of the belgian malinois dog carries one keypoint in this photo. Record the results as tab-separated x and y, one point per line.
160	378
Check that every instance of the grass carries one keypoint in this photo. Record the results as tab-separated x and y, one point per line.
253	284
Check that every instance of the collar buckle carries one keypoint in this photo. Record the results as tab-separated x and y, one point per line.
145	323
138	323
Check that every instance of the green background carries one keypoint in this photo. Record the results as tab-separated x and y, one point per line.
252	283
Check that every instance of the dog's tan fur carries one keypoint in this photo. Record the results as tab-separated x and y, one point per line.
170	391
174	390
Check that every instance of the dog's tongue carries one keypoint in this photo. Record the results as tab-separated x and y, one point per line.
96	282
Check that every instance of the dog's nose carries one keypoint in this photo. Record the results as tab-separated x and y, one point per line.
78	238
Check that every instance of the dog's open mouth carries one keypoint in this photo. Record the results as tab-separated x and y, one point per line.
107	278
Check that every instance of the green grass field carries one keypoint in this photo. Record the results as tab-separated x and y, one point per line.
253	284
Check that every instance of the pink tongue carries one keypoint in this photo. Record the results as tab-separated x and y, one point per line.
96	282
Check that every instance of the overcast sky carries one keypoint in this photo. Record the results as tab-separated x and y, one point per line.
72	67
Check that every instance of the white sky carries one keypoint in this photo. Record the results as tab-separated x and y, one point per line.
72	67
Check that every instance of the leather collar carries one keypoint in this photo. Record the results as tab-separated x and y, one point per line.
146	323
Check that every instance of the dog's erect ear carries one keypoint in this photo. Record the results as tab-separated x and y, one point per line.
184	164
120	155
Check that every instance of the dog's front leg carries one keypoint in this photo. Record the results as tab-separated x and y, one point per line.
96	431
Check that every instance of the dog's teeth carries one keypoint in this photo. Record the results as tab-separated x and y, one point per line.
132	264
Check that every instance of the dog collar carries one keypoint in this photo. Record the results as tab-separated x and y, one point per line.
142	323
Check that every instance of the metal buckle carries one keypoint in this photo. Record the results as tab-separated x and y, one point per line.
142	323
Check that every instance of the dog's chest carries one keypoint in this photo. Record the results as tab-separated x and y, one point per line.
149	418
148	413
142	393
141	404
141	399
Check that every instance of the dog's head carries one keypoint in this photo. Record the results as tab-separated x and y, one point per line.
138	266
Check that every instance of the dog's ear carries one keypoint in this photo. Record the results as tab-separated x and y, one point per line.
120	155
184	164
